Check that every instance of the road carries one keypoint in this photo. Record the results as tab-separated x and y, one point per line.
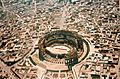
6	69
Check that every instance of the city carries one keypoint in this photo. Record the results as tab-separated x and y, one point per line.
59	39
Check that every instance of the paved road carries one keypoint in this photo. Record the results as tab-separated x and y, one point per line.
6	69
